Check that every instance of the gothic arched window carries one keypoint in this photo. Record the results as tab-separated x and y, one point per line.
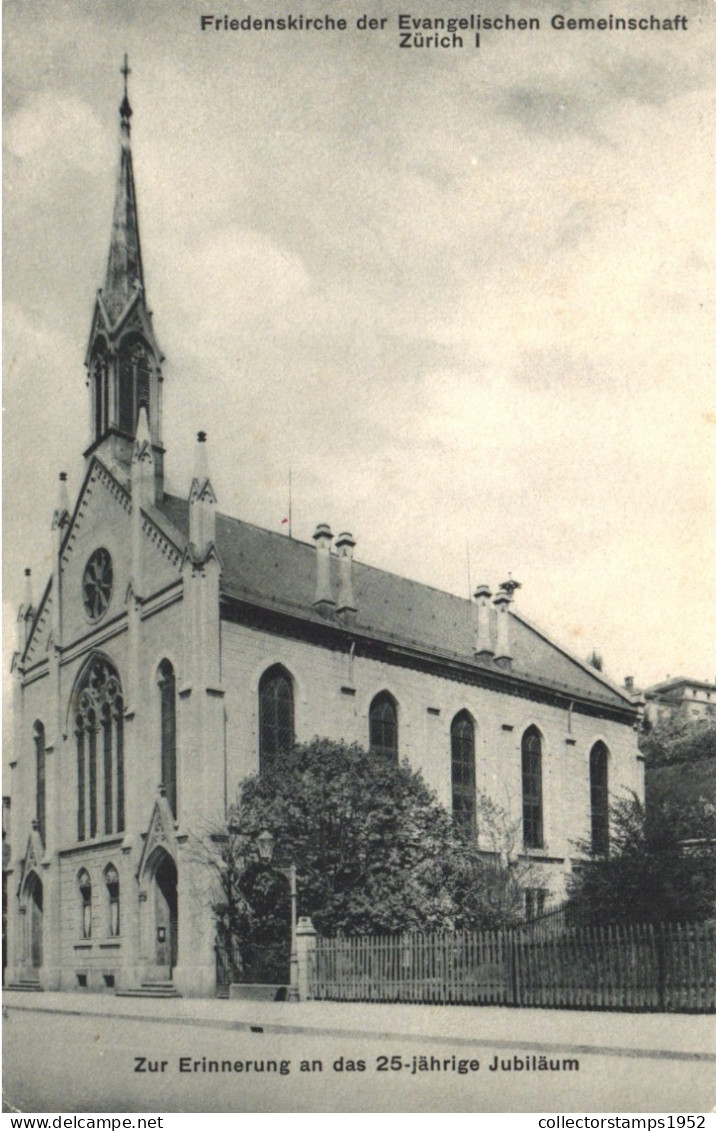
599	798
168	710
40	788
99	736
462	756
276	731
532	788
383	727
111	879
134	385
100	383
84	885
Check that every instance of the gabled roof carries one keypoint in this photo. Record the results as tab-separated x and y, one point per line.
270	570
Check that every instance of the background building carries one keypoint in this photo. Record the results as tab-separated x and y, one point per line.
174	650
688	698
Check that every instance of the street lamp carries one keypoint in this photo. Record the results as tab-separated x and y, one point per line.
265	844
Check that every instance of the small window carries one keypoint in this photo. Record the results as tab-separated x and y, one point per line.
383	727
85	889
111	879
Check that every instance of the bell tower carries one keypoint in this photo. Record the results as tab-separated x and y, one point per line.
123	358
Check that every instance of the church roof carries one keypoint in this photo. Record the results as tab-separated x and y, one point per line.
270	570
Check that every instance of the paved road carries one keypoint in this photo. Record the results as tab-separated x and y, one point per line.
62	1062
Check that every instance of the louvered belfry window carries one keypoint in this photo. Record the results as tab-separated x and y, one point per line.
383	727
462	750
599	798
134	386
100	375
532	788
276	723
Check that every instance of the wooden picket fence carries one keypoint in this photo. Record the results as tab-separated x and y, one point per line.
636	967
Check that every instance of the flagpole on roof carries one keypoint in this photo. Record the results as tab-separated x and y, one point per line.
290	505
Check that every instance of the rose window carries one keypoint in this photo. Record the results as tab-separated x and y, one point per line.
97	583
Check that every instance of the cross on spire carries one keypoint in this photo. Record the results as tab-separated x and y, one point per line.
126	71
125	110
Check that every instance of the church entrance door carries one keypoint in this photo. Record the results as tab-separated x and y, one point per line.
34	911
166	913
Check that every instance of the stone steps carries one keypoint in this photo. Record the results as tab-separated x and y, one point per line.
150	989
25	986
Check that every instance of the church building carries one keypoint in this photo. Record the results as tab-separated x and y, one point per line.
175	650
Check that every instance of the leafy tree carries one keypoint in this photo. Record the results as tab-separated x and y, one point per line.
375	851
650	875
678	738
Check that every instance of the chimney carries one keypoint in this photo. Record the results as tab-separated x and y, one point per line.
503	654
324	602
202	501
483	641
629	683
346	606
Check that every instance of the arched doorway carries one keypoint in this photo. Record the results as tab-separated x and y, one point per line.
33	893
166	912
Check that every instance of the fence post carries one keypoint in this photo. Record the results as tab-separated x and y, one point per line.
660	967
305	951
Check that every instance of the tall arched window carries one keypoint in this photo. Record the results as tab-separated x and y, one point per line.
462	751
100	379
111	879
532	788
599	798
40	789
383	727
134	384
84	885
99	737
168	710
276	728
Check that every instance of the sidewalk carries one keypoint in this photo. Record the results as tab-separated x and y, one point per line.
652	1035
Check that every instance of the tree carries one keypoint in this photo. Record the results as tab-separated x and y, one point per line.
375	851
678	738
650	875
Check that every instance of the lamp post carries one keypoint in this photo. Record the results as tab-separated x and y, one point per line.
265	844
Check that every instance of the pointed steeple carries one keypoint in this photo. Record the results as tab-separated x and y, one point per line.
123	357
124	265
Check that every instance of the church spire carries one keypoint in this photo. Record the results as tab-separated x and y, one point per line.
123	357
124	265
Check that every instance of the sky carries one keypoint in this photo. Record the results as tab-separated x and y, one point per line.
466	296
